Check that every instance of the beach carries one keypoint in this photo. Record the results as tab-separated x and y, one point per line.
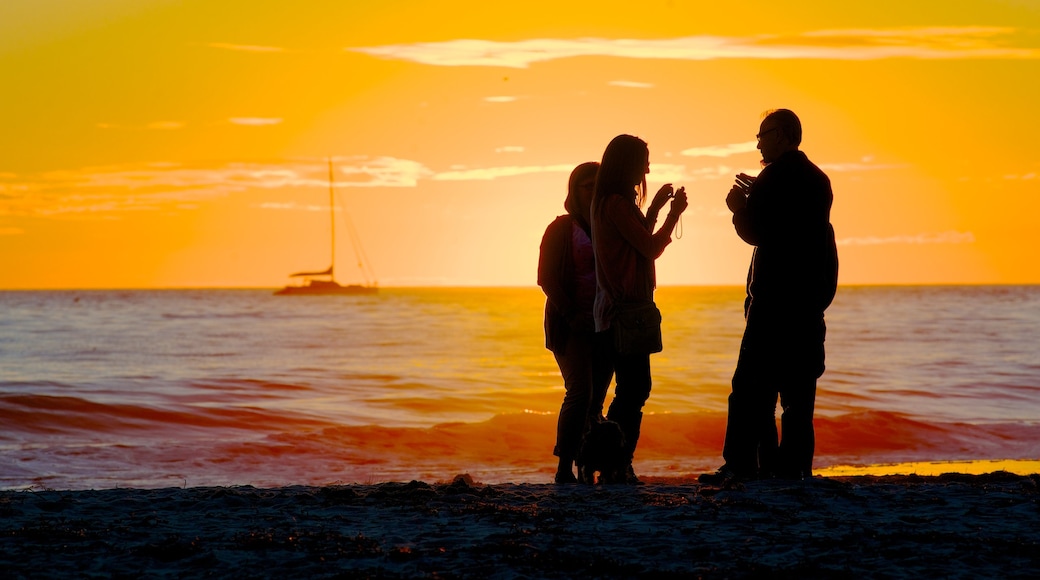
945	526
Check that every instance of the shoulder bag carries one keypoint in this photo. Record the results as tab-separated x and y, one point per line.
637	328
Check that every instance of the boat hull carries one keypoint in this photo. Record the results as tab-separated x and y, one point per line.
326	289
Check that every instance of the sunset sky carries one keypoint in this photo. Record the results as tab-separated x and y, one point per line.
162	143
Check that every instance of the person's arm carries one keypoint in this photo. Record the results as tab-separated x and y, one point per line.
552	253
658	202
784	205
746	220
632	228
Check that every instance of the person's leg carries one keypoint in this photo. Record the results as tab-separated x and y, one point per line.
751	422
805	359
602	373
632	389
575	364
798	438
768	438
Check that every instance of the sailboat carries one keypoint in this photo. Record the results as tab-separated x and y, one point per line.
315	283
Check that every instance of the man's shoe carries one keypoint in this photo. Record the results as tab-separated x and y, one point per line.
722	476
565	477
630	477
793	475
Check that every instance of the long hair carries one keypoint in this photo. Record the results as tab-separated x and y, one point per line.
579	174
623	169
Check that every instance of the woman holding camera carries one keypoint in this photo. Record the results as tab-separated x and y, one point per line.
625	247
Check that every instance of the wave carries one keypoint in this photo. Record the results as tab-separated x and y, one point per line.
73	442
518	447
860	436
24	414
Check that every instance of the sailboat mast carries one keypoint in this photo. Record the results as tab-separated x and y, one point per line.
332	223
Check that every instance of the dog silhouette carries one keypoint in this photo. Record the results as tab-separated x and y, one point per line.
601	458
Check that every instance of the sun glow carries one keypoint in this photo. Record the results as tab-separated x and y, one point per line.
156	144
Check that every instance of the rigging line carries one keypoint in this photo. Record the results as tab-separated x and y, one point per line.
332	220
355	241
366	263
359	249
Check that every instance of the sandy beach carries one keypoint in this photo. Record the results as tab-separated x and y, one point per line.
948	526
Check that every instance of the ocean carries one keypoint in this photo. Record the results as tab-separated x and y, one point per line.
160	388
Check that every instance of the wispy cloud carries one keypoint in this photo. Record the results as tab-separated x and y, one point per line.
489	173
967	42
165	125
720	150
669	173
840	167
509	149
631	84
659	172
255	121
501	99
108	190
245	47
382	172
951	237
683	175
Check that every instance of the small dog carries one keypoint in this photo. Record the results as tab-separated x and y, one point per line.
603	452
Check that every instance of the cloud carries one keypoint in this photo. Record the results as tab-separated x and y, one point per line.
164	125
255	121
967	42
382	172
683	175
668	173
721	150
109	190
951	237
509	149
245	47
501	99
839	167
489	173
660	173
631	84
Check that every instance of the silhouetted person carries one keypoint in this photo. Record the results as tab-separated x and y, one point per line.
785	214
567	275
626	247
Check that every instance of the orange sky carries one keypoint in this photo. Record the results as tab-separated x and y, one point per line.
161	143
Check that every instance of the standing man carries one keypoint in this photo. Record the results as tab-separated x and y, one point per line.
785	214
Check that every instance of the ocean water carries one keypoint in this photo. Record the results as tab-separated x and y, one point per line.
102	389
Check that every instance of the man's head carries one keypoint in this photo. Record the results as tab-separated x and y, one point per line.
780	132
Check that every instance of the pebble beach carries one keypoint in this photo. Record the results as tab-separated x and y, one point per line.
944	526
